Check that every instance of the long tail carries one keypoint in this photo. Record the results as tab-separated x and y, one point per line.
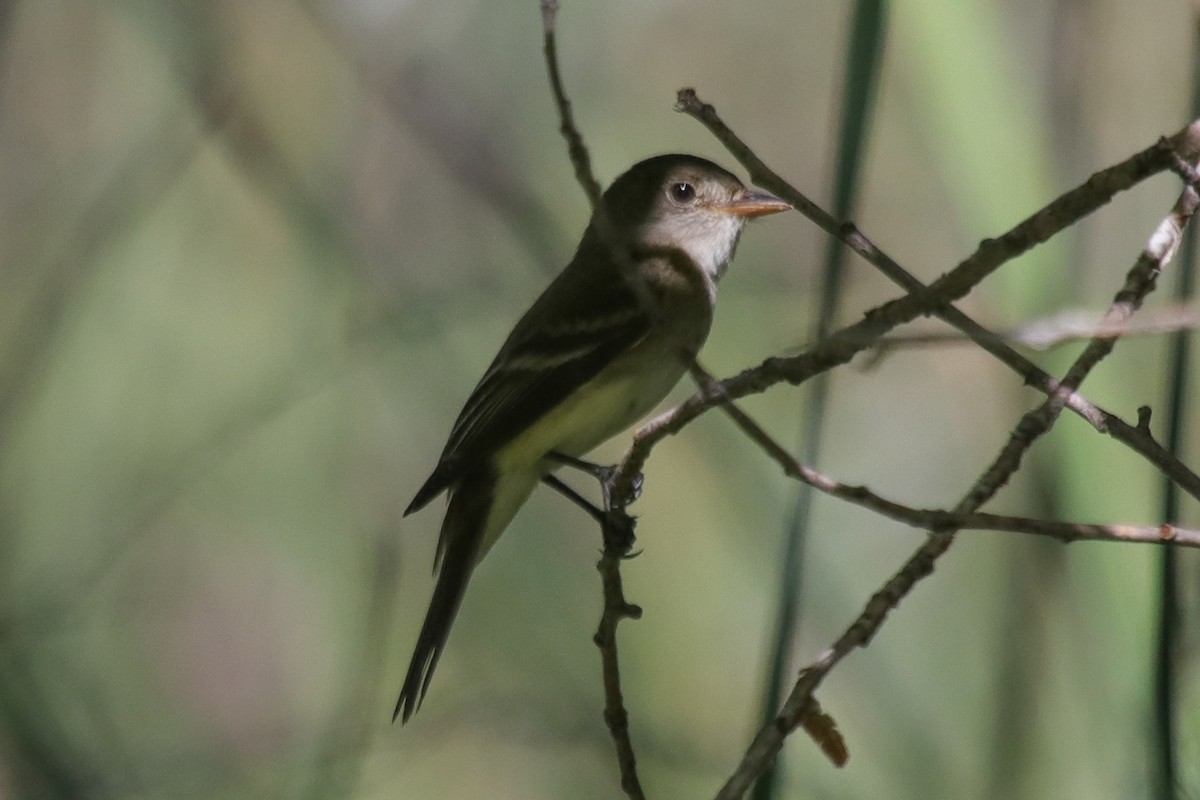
459	549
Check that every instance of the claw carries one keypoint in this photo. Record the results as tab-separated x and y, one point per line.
607	474
618	532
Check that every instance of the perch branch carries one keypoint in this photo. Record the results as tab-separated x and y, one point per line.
618	526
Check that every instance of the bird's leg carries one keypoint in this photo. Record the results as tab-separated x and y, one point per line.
597	471
616	524
601	472
555	483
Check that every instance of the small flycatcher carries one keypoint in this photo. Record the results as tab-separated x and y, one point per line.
592	356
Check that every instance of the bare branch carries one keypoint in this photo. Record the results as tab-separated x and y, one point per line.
1139	282
618	528
1062	328
939	520
616	608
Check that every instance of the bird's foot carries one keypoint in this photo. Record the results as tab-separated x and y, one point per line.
617	524
553	481
605	474
617	527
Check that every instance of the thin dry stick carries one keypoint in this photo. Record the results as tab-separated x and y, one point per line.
618	525
1064	327
934	519
577	151
1173	154
616	608
1139	282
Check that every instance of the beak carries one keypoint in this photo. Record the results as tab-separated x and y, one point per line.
752	204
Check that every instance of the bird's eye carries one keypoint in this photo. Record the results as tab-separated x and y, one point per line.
683	192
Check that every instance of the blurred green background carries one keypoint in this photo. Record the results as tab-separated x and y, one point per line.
253	257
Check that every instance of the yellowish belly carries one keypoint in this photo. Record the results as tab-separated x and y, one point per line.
608	404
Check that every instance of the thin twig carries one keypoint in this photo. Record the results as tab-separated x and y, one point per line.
618	528
616	608
1139	282
1065	327
932	519
578	153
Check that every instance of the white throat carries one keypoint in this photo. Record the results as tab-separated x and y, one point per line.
708	239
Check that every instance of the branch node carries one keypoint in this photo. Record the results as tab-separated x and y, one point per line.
686	101
1180	151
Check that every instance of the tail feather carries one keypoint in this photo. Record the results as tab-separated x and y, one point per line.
459	550
433	486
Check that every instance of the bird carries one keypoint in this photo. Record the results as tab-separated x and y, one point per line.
595	352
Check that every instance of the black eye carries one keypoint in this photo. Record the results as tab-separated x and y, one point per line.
683	192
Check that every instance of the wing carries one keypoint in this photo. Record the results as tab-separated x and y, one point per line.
585	318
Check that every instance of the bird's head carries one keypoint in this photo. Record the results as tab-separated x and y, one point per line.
687	203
